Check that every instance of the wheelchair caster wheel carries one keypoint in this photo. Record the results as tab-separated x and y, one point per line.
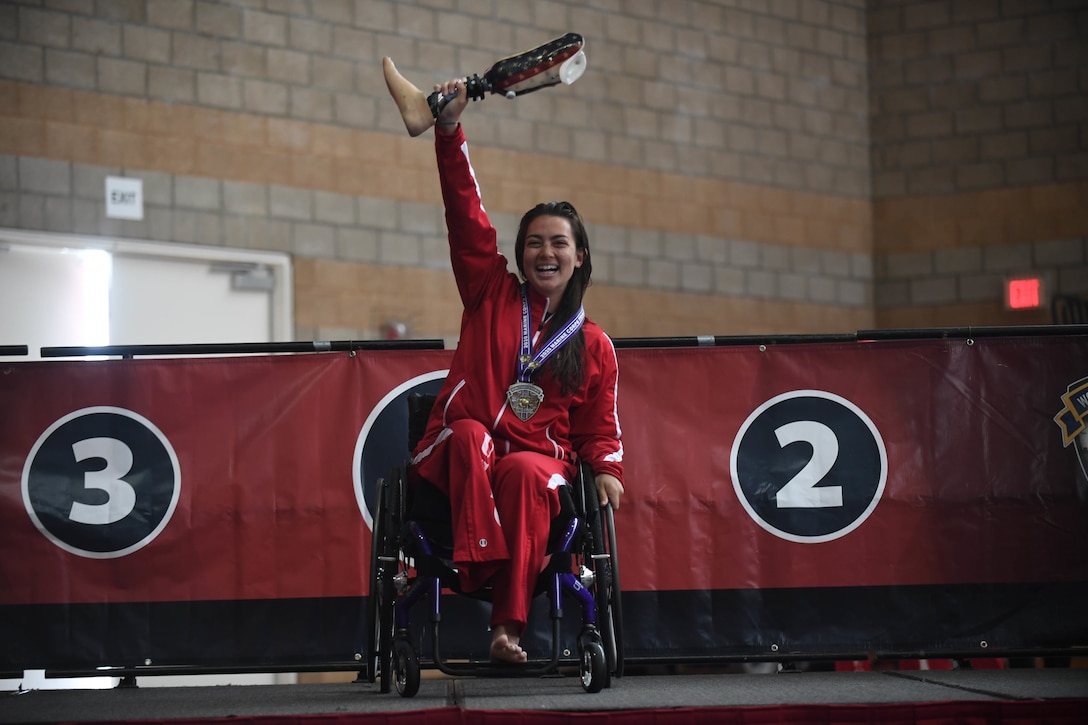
594	669
405	668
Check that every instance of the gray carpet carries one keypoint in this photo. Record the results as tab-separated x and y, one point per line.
553	693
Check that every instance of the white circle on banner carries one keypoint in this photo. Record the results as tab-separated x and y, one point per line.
386	450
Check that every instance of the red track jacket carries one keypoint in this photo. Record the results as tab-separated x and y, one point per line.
485	363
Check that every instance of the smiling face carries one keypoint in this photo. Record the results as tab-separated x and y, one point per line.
550	256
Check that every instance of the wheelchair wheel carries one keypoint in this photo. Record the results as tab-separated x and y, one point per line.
405	668
379	604
612	623
606	593
594	666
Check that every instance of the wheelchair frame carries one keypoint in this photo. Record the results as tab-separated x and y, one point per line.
407	567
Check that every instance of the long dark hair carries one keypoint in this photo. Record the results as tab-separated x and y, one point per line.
567	364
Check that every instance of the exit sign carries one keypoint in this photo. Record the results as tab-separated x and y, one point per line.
1024	293
124	198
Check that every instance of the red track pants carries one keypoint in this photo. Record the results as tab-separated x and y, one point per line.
502	509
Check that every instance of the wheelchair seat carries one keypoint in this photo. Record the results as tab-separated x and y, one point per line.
411	559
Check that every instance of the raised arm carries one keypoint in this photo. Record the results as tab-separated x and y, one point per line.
474	250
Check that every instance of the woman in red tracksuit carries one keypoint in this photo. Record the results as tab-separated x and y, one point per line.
496	448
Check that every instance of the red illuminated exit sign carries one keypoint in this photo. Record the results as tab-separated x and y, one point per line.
1024	293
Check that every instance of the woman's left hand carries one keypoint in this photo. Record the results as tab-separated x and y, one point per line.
451	115
609	489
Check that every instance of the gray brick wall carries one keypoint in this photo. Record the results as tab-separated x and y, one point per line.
977	94
771	93
977	274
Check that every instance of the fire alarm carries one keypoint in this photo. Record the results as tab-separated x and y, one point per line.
394	330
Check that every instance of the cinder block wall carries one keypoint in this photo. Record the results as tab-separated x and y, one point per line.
980	156
722	153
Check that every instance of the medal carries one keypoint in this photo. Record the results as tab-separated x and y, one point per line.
523	396
524	399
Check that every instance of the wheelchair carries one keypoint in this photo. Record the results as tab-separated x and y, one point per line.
411	561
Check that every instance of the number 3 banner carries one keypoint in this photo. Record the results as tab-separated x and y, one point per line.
912	497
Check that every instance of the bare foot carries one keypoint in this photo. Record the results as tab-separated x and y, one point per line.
411	101
505	647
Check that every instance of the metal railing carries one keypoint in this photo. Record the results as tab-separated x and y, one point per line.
240	348
268	348
859	336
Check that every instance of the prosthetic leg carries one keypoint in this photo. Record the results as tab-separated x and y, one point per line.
558	61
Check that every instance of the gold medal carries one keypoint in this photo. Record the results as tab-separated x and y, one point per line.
524	399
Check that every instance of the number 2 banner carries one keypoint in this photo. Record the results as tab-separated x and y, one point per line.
914	497
868	498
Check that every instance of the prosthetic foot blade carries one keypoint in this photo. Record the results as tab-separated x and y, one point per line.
411	102
558	61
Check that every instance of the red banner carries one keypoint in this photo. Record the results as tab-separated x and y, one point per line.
799	466
948	456
260	500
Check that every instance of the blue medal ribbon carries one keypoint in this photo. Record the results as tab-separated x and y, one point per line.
523	396
527	362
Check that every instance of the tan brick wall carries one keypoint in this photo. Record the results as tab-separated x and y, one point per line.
982	219
979	314
945	260
333	299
